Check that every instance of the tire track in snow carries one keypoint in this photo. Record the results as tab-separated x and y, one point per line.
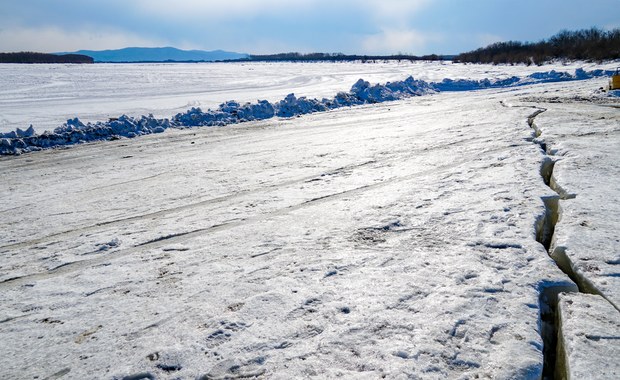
193	205
149	143
201	203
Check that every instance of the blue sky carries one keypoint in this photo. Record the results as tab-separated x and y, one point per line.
271	26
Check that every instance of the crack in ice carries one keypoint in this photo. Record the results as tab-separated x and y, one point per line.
550	323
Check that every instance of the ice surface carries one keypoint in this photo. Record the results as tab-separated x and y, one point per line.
47	95
394	239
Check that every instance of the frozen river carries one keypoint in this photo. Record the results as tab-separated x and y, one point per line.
47	95
407	239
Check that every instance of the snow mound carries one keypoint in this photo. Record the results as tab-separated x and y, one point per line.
232	112
291	106
76	132
470	85
541	77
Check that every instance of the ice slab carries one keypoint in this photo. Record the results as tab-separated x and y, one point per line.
589	337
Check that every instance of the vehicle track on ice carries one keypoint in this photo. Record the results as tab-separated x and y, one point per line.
192	205
73	266
210	200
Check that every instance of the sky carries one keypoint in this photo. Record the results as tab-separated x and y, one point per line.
272	26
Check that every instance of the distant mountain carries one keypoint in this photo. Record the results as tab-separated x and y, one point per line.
165	54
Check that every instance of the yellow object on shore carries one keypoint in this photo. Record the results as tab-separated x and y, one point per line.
614	82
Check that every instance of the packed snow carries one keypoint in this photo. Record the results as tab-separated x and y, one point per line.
410	238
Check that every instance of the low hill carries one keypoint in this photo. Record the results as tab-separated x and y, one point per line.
164	54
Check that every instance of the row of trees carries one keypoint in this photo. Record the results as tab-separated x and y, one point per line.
589	44
339	57
31	57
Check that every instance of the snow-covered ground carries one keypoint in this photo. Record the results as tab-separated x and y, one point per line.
397	240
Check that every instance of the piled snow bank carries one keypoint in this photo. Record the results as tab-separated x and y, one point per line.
613	94
362	92
469	85
541	77
232	112
76	132
291	106
18	133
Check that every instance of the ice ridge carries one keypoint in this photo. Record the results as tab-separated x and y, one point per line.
231	112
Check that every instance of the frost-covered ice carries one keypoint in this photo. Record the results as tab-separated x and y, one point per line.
396	239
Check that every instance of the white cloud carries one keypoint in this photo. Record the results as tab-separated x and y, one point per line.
54	39
386	10
394	10
393	18
220	10
391	41
488	39
213	24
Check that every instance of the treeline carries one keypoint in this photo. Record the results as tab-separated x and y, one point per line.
32	57
338	57
589	44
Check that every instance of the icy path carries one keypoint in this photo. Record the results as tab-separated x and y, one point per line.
388	240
